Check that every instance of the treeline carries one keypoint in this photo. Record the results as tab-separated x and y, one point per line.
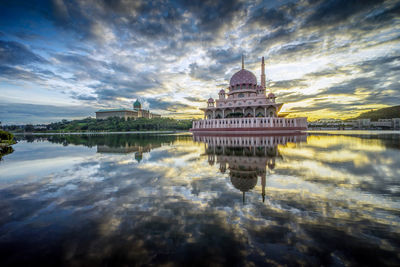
107	125
6	138
383	113
110	140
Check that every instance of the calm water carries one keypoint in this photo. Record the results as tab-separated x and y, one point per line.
318	199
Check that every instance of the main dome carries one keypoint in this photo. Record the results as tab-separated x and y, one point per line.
244	184
243	77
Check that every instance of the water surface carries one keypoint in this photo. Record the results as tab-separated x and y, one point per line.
318	199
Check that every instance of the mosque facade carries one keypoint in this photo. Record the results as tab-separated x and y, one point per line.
136	112
246	106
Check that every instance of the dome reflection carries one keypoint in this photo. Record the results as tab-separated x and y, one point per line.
246	158
138	150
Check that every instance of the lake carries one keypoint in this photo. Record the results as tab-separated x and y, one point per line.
321	198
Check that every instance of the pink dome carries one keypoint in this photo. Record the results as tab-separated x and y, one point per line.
210	99
222	91
271	95
243	76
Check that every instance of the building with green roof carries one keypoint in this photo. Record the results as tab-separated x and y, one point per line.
136	112
137	105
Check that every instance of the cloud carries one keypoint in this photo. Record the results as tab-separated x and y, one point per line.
18	74
171	106
333	12
276	36
14	53
287	84
214	15
113	87
208	72
195	99
15	113
351	86
301	48
85	97
270	18
100	52
226	56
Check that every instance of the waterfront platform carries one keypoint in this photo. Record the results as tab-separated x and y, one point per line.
264	125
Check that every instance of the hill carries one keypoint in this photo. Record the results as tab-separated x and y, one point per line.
383	113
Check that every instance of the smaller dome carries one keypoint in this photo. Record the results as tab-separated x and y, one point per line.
271	165
271	95
222	91
137	104
210	99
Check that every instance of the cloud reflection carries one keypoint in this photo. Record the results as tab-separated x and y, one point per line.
182	203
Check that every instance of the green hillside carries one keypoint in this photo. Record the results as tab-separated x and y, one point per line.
383	113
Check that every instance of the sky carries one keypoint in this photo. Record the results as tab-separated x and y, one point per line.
67	59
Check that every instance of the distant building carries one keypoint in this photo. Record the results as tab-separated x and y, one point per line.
356	124
396	123
387	123
383	123
136	112
328	123
362	123
380	124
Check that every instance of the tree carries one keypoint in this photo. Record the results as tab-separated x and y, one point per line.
29	128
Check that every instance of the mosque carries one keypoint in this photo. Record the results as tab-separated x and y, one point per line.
136	112
246	158
246	107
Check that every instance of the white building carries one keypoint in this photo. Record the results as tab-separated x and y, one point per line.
136	112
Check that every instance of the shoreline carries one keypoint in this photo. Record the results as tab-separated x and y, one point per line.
356	131
93	133
191	133
2	145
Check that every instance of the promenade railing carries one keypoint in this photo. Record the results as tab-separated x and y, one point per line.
267	122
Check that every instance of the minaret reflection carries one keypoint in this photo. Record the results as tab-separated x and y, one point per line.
246	157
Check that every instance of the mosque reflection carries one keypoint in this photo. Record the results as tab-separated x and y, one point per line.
137	149
246	158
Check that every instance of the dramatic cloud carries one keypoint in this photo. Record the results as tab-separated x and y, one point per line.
334	12
320	55
41	113
13	53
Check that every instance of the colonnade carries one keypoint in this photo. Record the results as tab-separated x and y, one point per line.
267	122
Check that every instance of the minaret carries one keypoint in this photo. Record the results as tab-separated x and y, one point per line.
263	178
263	73
242	61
